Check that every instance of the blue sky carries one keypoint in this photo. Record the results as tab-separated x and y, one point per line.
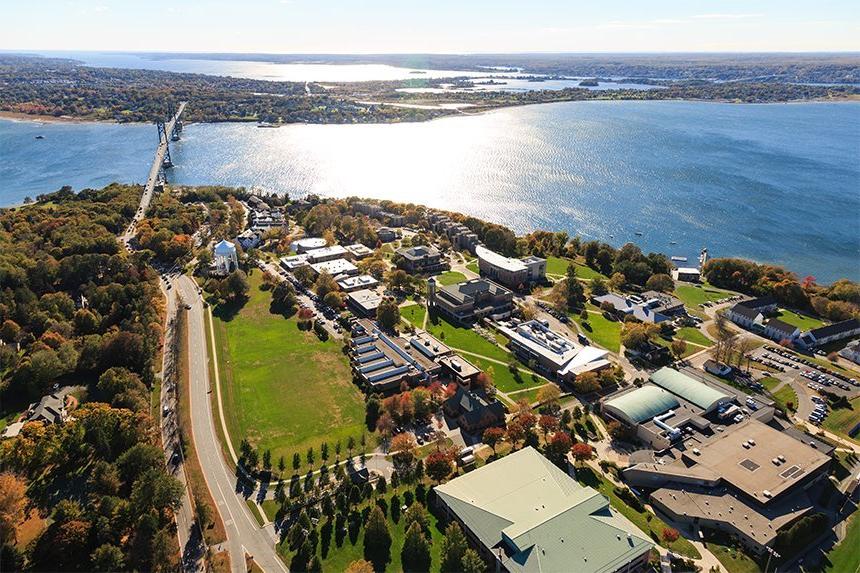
441	26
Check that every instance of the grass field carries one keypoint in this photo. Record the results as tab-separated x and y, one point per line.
841	420
692	295
770	383
556	265
502	377
801	321
463	339
653	527
450	278
694	335
473	266
786	395
844	557
603	332
414	313
284	390
733	560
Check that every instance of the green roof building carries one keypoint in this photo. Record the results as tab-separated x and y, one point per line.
526	514
641	404
698	393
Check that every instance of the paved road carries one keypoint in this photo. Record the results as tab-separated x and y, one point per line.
243	533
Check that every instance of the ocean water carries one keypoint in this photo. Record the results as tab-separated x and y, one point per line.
773	183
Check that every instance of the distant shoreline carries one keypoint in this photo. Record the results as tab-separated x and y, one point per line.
454	112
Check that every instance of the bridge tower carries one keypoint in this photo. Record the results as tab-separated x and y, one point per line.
163	138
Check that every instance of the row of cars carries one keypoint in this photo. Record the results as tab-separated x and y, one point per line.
724	300
550	310
821	374
819	412
338	323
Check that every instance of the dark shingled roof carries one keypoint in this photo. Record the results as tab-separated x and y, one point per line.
745	311
781	326
831	329
759	302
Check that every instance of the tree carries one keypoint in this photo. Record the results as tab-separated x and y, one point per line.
235	286
377	539
598	287
548	395
359	566
284	297
548	424
297	461
660	282
492	437
670	534
438	466
679	347
324	284
472	562
402	447
13	500
108	558
397	279
586	383
416	550
581	452
388	314
557	447
454	546
637	335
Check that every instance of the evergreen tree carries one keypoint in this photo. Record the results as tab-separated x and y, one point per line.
416	550
377	539
472	562
454	546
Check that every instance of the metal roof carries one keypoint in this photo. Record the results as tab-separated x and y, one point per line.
643	403
693	391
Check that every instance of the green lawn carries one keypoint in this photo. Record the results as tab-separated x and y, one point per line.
734	560
801	321
338	558
770	383
785	395
694	335
556	265
844	557
653	527
841	420
603	332
414	313
694	295
473	266
502	377
450	278
530	395
585	272
284	390
463	339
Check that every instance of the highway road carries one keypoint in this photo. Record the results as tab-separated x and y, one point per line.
244	535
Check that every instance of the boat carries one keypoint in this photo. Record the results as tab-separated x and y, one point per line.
679	259
638	233
40	137
267	124
673	242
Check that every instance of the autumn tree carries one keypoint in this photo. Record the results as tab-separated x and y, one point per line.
388	314
492	437
586	383
438	466
548	394
359	566
581	452
679	347
557	447
13	500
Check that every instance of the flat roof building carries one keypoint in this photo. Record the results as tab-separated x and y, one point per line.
554	354
307	244
336	268
513	273
350	284
470	301
383	361
359	251
420	259
293	262
527	515
326	254
686	274
750	480
651	306
363	302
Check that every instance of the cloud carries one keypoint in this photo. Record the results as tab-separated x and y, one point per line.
726	16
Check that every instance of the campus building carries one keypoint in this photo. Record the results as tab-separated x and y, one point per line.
326	254
224	260
469	301
354	283
526	515
831	333
363	302
510	272
686	274
358	251
651	306
300	246
750	481
382	361
420	259
752	315
659	411
472	412
337	268
551	353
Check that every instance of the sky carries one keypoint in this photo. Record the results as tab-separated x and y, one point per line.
435	26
